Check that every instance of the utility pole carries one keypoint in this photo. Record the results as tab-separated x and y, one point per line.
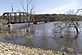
12	8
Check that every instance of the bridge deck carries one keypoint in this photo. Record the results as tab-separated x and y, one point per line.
23	17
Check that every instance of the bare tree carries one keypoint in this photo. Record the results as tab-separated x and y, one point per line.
73	23
28	7
67	24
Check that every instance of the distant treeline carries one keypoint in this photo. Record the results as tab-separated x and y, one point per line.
59	17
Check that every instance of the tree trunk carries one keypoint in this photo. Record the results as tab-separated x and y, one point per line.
76	28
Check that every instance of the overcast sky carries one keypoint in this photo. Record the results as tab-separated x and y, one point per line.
42	6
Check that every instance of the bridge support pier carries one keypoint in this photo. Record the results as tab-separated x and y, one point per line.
35	22
10	26
45	21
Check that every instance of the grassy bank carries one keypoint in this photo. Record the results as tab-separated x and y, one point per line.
10	49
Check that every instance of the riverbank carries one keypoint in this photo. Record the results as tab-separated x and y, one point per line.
11	49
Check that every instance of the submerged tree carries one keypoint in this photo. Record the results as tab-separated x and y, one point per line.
68	23
73	23
28	7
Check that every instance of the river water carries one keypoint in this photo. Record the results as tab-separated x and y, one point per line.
42	35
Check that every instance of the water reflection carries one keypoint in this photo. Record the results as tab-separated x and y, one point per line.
29	35
42	36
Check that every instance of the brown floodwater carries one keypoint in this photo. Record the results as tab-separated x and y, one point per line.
42	35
